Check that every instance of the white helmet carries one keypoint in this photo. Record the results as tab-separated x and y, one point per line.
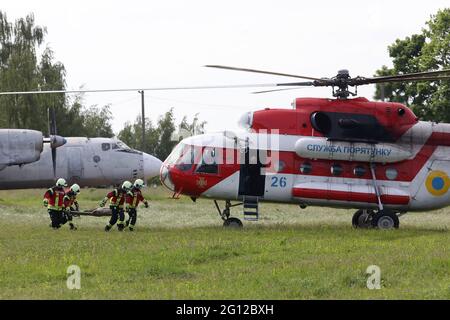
61	182
126	185
75	188
139	183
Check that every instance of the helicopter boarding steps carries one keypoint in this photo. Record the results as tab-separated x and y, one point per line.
250	204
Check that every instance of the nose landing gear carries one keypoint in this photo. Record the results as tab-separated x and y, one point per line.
228	222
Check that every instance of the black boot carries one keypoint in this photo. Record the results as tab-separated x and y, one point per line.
120	227
107	228
72	226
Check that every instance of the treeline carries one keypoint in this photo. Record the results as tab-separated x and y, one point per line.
160	139
21	69
428	50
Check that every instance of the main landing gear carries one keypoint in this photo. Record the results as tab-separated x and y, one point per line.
382	219
229	222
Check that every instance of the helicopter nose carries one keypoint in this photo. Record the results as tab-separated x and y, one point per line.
152	165
165	178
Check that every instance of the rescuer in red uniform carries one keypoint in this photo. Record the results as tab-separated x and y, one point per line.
116	203
54	201
134	196
71	204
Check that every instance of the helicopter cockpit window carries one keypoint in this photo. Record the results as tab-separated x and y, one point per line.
115	146
106	146
187	158
176	153
209	161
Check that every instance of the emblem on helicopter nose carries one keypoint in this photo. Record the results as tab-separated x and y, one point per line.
201	182
437	183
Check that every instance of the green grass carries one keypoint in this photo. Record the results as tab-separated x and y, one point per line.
180	251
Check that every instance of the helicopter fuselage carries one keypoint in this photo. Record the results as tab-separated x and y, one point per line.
340	153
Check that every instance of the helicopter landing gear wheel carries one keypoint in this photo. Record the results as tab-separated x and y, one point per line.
362	219
233	223
229	222
385	220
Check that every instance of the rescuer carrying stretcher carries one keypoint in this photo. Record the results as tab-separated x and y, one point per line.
54	201
71	204
133	197
60	203
116	204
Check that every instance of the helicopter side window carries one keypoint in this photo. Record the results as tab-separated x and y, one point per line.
209	162
305	168
336	170
106	146
359	171
115	146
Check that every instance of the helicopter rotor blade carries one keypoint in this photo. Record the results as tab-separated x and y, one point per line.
416	76
232	86
261	71
275	90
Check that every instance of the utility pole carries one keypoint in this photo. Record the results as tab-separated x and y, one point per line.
143	120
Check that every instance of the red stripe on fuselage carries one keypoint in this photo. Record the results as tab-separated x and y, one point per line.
348	196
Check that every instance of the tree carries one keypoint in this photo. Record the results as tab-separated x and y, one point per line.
131	134
191	129
430	50
20	70
165	129
159	140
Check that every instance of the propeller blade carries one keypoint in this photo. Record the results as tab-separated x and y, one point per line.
54	161
53	122
48	122
53	137
261	71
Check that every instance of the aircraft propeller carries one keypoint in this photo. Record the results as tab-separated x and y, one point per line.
54	140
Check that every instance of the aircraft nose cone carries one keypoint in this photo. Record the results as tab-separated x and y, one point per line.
152	166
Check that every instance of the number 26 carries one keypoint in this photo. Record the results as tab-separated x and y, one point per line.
278	182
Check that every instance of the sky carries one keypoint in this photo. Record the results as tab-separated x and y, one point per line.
142	44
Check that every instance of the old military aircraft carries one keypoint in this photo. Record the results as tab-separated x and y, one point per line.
86	161
30	160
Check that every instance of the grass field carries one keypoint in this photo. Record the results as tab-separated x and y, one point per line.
181	251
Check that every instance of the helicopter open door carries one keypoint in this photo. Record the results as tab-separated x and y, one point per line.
251	178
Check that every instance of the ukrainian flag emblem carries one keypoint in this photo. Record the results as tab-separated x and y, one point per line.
437	183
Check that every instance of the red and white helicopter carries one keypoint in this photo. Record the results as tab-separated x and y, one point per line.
376	157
